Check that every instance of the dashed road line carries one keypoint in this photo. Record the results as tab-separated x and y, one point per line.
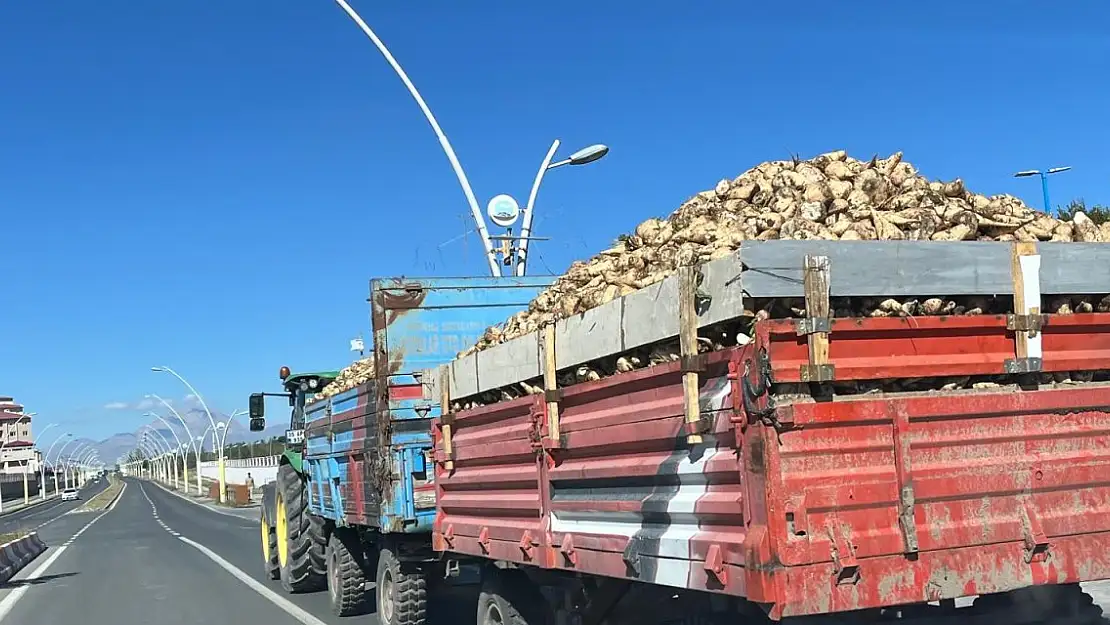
9	601
290	608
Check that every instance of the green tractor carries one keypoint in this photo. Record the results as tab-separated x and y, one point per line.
293	539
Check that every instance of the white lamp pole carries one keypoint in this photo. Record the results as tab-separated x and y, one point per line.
211	420
192	441
491	256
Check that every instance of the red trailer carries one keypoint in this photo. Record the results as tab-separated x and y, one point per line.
777	493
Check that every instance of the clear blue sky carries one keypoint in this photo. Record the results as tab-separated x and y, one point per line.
209	184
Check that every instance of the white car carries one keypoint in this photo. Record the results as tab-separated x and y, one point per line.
70	494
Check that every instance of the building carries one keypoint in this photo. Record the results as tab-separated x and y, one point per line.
16	444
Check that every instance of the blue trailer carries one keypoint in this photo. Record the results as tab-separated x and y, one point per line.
354	499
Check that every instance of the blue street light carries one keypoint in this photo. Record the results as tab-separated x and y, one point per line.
1044	181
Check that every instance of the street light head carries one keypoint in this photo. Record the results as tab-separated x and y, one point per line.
1028	172
1056	170
158	369
588	154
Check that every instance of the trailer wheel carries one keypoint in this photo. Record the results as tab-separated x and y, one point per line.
270	565
402	595
508	599
1049	604
346	576
300	536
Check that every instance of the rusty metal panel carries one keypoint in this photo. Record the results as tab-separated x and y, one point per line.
809	507
913	347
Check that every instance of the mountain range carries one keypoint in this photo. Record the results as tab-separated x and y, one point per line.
122	443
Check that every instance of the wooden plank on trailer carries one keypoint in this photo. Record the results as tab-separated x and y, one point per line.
447	422
816	284
550	384
688	348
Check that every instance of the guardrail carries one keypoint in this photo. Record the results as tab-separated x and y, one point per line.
19	553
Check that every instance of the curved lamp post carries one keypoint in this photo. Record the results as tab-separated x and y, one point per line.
491	256
180	446
163	447
25	463
45	460
211	420
192	441
581	157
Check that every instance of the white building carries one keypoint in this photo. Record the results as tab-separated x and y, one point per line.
16	443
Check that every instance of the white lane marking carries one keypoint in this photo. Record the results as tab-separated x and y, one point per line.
197	503
9	602
288	606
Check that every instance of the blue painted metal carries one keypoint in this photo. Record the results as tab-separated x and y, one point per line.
359	474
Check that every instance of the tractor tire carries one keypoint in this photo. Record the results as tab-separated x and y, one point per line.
402	592
270	566
346	574
300	535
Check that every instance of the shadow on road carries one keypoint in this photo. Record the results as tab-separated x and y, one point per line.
45	579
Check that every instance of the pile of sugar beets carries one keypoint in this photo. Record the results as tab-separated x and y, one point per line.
831	197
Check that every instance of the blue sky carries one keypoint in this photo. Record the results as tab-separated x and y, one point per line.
210	184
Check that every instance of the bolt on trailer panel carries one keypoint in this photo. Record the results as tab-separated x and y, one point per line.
373	471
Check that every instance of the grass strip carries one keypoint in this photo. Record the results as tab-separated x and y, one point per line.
103	498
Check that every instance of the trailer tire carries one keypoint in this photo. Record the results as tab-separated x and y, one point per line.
346	574
270	566
1064	604
507	598
401	593
300	535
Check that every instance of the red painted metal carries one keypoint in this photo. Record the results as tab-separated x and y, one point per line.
913	347
812	507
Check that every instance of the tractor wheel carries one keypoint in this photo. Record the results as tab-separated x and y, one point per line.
300	535
270	565
346	574
402	593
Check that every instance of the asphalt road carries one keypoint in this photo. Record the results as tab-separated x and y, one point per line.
126	565
39	515
157	558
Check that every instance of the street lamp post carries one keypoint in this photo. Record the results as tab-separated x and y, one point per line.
164	448
68	463
491	256
192	441
1044	181
46	460
581	157
211	420
57	460
180	446
26	463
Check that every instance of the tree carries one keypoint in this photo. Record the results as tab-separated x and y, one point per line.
1097	213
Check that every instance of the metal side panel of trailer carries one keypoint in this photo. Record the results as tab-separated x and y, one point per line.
372	471
807	507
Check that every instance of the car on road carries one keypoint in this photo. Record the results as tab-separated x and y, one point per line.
70	494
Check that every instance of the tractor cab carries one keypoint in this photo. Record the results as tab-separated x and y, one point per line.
299	389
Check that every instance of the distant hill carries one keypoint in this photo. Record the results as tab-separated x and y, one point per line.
122	443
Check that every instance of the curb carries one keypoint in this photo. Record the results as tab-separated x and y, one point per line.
18	554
